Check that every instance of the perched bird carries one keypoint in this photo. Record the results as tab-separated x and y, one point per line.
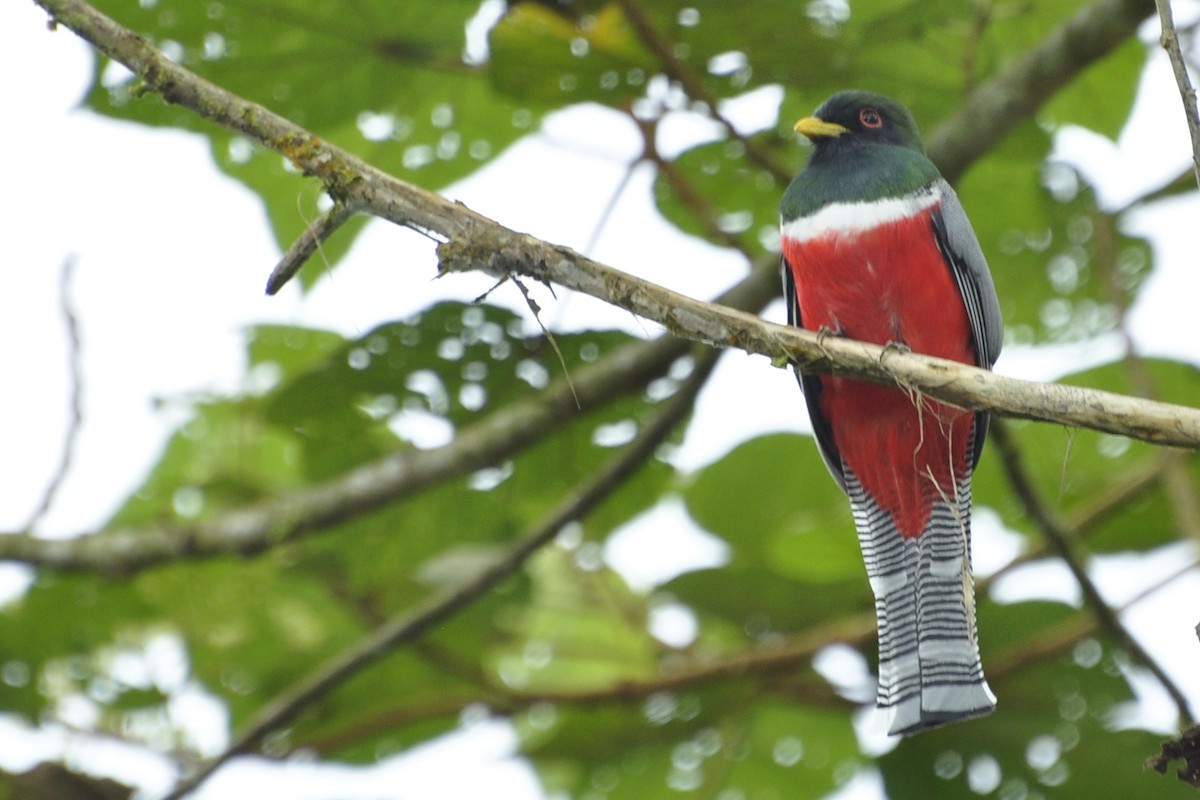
877	247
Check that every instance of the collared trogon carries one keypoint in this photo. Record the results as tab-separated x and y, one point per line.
877	247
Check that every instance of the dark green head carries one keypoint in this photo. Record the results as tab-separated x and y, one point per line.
856	118
865	147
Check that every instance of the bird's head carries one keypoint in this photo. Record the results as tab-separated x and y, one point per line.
857	118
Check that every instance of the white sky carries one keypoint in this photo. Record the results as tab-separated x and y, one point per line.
166	244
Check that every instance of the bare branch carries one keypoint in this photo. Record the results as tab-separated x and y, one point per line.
415	623
1170	42
75	373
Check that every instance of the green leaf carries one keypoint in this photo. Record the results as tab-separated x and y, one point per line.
809	750
246	644
287	349
773	501
540	55
223	457
714	741
59	623
795	556
1101	97
583	630
750	604
130	699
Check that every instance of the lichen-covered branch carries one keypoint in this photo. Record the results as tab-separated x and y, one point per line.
498	251
474	242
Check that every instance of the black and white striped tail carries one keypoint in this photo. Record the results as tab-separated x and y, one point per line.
929	667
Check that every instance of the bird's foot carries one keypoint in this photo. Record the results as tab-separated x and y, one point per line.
894	347
823	333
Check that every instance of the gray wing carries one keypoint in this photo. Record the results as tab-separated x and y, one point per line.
960	248
957	242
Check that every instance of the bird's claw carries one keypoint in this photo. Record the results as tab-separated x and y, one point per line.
896	347
823	333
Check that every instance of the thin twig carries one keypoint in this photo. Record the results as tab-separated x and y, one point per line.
682	73
75	375
610	207
686	191
1170	42
1065	546
536	310
415	623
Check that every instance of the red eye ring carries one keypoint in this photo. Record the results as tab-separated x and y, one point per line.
870	117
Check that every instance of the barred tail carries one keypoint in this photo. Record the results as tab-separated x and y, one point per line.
929	667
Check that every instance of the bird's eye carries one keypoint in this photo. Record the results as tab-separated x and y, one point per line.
870	117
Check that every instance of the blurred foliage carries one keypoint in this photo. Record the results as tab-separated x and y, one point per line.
431	92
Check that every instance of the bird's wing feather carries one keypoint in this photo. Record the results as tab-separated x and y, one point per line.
960	248
810	385
958	244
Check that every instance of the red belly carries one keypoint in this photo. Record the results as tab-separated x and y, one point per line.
889	284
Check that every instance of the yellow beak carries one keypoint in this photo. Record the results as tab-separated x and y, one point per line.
815	128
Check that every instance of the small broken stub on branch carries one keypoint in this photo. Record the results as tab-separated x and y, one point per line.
1185	748
455	256
483	251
